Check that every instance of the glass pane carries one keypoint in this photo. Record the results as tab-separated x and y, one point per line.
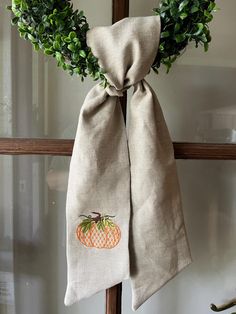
198	95
5	73
37	99
208	190
32	237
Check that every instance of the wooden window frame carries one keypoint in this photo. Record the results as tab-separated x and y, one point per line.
58	147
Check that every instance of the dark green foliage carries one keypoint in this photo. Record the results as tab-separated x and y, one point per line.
182	21
53	26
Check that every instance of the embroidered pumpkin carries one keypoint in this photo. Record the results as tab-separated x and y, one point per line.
98	232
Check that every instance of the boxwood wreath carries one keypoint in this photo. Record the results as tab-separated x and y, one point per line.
54	27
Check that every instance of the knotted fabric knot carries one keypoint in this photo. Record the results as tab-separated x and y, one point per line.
124	52
113	92
124	216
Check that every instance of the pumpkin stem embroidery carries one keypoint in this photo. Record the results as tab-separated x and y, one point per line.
98	231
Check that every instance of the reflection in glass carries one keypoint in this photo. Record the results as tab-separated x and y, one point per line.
33	237
200	82
208	190
44	100
32	240
217	125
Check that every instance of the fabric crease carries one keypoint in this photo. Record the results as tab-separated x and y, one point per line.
128	173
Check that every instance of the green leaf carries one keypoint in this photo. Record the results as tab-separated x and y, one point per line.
67	40
36	47
165	34
56	45
75	57
200	27
41	28
206	47
71	47
161	47
211	6
203	38
77	70
72	35
194	9
58	38
179	38
183	4
59	56
177	27
183	15
48	52
82	53
15	20
31	37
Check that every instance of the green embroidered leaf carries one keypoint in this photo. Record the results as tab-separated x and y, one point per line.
110	224
100	226
86	226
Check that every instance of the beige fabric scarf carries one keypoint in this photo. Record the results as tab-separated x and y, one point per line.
124	216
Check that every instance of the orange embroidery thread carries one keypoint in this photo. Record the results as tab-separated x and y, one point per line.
98	232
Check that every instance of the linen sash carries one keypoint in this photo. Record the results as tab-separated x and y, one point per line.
124	216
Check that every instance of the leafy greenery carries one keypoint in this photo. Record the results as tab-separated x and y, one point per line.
182	21
101	222
54	27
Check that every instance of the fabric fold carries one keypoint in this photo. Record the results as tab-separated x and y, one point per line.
158	244
124	215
